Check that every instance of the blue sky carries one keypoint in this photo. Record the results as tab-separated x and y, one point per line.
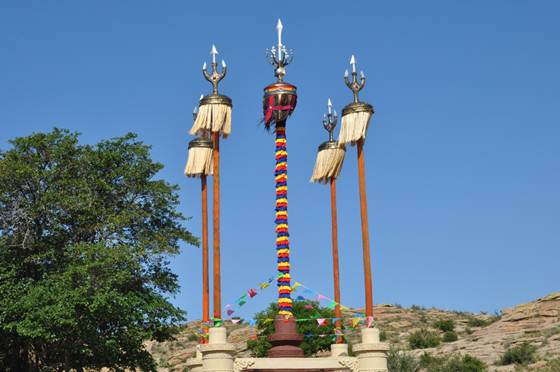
462	154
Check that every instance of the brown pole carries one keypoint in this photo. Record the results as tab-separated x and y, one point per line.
365	229
216	224
205	279
336	273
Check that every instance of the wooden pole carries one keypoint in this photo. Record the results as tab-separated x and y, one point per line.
216	224
205	279
365	229
336	273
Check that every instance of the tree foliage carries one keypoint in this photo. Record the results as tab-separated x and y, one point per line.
317	338
86	232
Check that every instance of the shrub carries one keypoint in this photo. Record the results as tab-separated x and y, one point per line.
417	308
445	325
452	363
383	336
401	361
450	336
423	339
521	354
479	322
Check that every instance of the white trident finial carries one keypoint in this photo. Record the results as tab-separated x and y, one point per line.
329	106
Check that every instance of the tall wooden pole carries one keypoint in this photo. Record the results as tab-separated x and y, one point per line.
365	229
205	279
336	272
216	224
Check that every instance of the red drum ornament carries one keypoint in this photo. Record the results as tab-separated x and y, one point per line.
279	102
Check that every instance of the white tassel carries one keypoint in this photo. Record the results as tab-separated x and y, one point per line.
354	126
328	164
212	117
199	162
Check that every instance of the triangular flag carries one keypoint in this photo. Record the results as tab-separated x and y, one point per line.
369	321
320	297
264	285
296	284
241	302
252	292
229	312
321	321
355	322
235	321
300	298
331	305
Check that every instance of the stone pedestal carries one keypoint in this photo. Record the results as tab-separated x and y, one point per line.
285	340
195	364
217	354
339	350
371	353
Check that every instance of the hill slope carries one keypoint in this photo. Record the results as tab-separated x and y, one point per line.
480	335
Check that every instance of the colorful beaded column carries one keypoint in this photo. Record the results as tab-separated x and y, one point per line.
282	233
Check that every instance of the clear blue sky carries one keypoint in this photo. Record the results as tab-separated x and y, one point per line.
462	154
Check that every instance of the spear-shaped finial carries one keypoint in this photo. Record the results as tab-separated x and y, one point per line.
279	56
279	28
214	77
354	85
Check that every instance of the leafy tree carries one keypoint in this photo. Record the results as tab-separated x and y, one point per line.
318	337
85	236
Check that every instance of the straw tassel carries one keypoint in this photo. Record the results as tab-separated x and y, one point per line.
213	117
199	158
354	127
328	164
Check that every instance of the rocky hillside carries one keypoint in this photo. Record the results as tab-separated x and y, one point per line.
483	336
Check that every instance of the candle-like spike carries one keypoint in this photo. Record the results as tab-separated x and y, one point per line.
204	66
214	53
329	106
223	63
346	73
363	76
195	110
352	60
201	97
279	26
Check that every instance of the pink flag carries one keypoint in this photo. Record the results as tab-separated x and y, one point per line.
252	292
320	297
369	321
235	321
321	321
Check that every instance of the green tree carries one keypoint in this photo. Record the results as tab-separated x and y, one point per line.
86	232
317	338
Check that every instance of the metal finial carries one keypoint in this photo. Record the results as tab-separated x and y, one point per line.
354	85
279	56
214	77
329	120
